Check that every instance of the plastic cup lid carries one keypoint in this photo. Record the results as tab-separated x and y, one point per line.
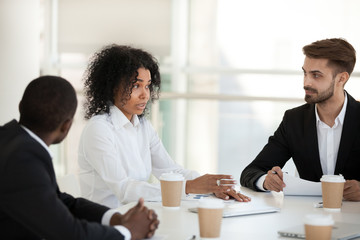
171	176
332	178
319	220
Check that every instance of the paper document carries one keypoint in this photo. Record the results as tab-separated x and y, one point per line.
298	186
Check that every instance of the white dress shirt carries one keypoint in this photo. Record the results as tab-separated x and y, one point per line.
329	139
328	143
117	157
105	220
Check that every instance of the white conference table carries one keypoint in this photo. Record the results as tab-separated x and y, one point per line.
182	225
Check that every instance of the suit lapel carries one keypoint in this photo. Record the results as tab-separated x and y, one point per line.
347	136
311	140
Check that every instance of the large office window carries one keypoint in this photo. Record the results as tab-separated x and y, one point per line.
242	71
229	69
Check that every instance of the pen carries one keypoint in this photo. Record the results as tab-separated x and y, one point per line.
274	172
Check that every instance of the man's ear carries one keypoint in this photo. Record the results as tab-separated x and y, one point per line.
20	106
343	77
61	131
65	126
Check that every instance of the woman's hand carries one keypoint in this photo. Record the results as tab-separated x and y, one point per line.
210	183
219	184
233	194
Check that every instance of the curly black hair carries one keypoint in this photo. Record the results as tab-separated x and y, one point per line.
113	68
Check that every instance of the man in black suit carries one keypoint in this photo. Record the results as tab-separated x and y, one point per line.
31	205
322	136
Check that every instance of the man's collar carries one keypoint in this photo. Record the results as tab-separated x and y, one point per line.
39	140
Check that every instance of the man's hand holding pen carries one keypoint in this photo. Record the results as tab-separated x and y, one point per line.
274	180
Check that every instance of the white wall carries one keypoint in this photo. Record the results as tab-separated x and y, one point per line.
86	26
19	52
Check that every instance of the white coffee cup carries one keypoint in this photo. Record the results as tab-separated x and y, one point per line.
210	213
332	192
318	226
171	189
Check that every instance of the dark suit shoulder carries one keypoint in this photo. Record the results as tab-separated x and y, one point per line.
300	110
353	104
12	133
298	116
18	146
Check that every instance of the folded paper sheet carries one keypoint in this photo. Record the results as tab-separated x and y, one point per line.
301	187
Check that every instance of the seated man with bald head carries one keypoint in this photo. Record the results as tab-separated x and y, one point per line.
31	205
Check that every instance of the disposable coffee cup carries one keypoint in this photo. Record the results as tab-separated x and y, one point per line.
210	213
318	227
171	189
332	192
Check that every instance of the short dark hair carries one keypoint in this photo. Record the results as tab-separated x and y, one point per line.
47	102
113	68
340	53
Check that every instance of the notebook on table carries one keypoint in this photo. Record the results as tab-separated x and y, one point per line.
341	231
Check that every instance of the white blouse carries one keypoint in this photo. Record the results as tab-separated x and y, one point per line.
117	157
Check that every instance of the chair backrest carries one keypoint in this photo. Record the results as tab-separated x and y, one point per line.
69	184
